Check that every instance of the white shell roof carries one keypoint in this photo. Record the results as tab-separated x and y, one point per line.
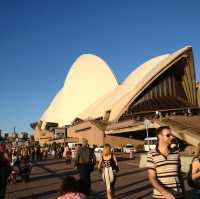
118	99
88	79
91	88
118	95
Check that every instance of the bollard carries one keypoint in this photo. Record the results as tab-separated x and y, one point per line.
131	154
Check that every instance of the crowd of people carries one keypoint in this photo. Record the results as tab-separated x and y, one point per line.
163	164
16	161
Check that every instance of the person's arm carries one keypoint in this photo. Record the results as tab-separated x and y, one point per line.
195	170
6	156
115	159
180	174
99	164
153	180
76	161
94	158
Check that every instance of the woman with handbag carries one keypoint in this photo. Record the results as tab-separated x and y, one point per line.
109	170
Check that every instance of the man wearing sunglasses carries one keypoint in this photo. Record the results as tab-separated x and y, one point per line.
164	167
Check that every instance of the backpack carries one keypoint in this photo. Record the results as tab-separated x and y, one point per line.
192	183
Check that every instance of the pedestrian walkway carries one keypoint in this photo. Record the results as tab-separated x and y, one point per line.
47	176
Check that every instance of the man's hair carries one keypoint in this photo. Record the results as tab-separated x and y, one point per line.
160	129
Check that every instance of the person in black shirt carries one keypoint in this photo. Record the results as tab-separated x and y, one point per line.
5	169
85	161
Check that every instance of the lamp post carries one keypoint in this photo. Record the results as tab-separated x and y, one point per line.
146	124
65	134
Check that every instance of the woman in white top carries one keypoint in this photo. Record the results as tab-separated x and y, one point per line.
108	161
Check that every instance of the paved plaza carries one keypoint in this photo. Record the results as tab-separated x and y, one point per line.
47	175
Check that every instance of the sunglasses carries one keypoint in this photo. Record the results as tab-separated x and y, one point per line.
169	135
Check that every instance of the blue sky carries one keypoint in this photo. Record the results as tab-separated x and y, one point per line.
40	39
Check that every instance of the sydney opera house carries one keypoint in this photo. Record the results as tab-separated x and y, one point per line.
93	105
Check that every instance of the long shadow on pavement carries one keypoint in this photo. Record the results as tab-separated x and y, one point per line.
52	173
42	172
119	196
131	184
101	194
145	195
49	162
40	195
32	187
122	174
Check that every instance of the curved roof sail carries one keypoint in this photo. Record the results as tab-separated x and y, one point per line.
120	98
187	81
110	101
88	79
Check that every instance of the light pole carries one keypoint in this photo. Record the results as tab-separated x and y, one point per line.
146	124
